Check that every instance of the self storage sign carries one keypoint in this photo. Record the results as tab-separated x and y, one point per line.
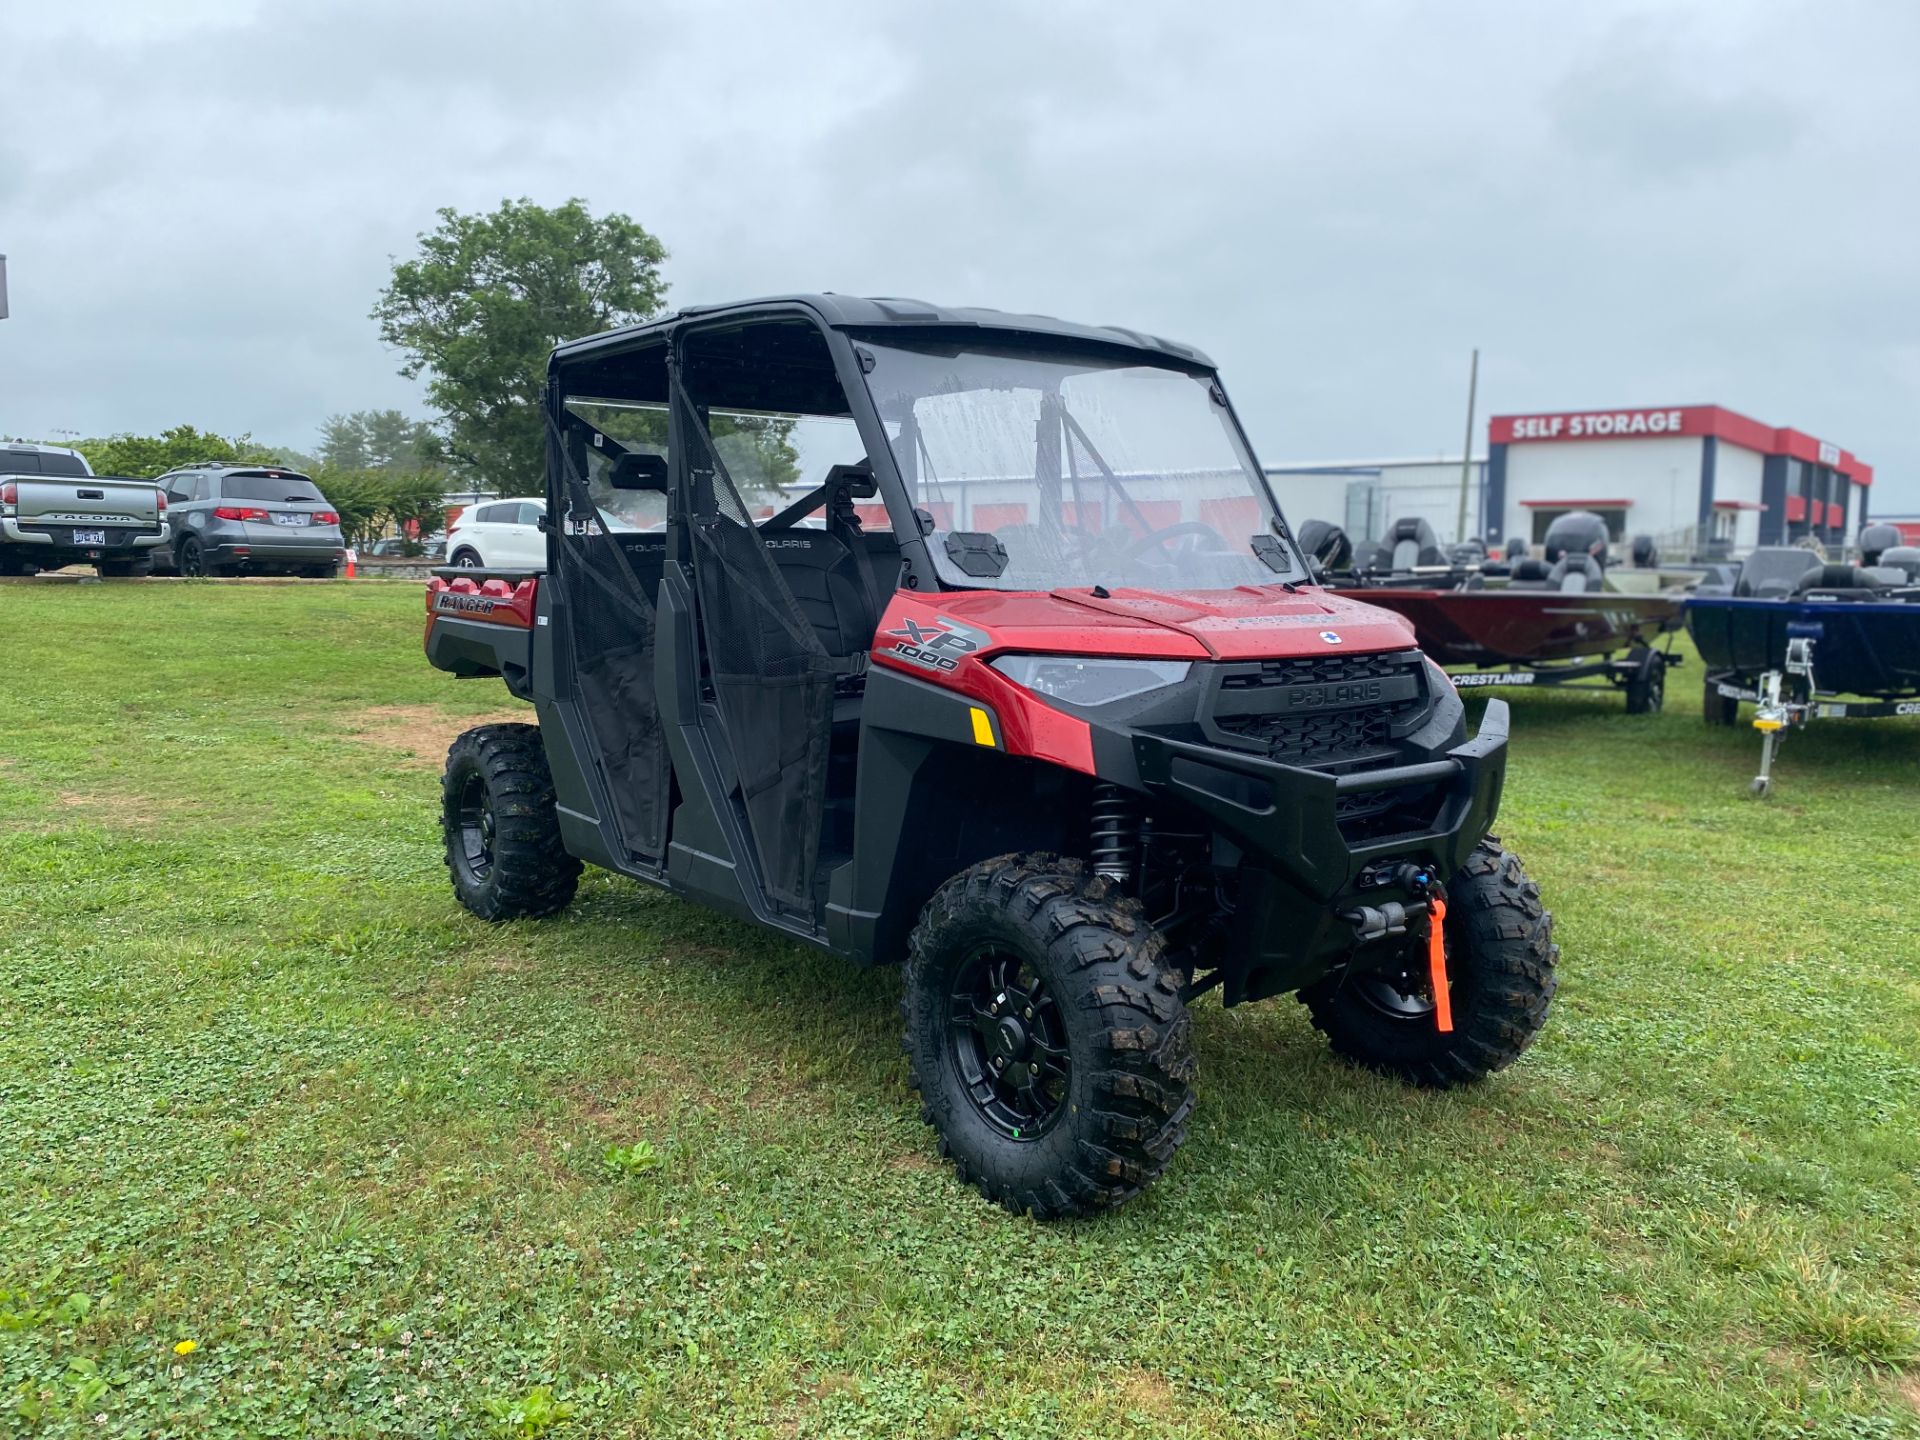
1601	425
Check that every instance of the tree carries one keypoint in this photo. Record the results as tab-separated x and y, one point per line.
486	299
142	457
377	440
372	502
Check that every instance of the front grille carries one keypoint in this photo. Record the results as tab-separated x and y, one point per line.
1332	736
1314	739
1329	669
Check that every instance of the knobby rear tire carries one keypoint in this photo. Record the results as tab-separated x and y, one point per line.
529	872
1500	965
1129	1096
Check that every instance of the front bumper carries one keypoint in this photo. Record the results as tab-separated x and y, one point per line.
1288	817
1301	869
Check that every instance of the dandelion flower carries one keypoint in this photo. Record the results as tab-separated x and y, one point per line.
186	1347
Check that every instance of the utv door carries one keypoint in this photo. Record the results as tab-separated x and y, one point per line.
753	401
607	502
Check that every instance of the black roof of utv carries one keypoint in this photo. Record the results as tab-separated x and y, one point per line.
853	312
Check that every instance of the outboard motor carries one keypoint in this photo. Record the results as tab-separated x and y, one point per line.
1646	554
1326	545
1876	540
1578	532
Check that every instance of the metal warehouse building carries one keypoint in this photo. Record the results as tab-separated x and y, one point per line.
1700	479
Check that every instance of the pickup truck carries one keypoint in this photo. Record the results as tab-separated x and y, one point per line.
55	511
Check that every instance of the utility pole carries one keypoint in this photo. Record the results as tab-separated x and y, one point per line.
1466	451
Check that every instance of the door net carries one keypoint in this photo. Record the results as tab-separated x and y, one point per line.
610	625
772	677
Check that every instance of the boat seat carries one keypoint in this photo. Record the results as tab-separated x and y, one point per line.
1904	558
1832	580
1411	542
1774	572
1371	556
1876	540
1529	574
1574	574
1884	577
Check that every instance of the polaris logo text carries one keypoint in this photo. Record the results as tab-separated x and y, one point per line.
1319	697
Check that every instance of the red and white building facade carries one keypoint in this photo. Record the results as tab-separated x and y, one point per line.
1698	478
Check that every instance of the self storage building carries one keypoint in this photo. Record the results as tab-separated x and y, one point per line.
1701	479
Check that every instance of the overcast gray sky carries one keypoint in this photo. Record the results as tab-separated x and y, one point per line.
1620	204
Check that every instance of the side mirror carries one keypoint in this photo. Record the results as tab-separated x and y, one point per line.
639	471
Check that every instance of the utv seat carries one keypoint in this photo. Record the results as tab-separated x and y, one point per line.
832	589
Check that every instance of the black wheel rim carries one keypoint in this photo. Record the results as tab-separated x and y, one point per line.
1403	990
476	828
1009	1041
190	559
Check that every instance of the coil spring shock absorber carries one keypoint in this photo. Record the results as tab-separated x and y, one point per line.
1116	834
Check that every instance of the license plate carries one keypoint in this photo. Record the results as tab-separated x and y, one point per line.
89	537
281	518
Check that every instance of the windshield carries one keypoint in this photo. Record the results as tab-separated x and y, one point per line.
1041	470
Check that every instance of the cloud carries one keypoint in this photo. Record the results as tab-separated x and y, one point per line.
1618	204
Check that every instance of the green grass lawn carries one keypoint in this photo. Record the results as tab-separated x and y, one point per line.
264	1088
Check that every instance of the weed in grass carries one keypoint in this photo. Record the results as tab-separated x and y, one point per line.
631	1160
533	1414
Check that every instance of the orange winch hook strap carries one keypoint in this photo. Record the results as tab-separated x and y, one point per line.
1437	963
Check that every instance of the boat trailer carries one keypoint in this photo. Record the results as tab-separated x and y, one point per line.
1789	698
1642	673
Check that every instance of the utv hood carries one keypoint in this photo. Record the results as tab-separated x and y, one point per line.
1248	623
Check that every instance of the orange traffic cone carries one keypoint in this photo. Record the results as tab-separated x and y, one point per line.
351	559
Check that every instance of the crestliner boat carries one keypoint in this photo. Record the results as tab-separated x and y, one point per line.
1523	622
1802	640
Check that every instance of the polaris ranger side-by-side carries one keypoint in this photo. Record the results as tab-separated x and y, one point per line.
977	641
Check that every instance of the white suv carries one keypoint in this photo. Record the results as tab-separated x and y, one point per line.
499	535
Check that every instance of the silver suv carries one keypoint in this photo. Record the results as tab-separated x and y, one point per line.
250	519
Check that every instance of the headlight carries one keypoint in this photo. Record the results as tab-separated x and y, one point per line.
1090	682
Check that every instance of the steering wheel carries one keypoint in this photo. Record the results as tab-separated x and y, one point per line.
1195	528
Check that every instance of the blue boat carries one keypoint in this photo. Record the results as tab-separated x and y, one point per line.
1802	639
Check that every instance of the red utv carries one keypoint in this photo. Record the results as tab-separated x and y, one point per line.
977	641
